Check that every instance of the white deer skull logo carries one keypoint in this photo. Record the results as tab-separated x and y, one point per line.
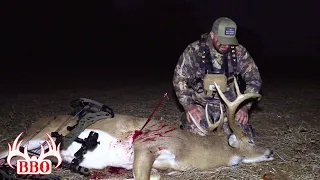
53	150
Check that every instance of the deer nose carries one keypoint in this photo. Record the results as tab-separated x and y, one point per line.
269	153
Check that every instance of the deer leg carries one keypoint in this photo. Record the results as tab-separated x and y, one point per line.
142	165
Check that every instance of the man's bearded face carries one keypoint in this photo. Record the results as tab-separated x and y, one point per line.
221	48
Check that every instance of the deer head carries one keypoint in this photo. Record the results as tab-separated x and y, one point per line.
240	140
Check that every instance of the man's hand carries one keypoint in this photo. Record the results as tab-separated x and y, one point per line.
242	115
196	111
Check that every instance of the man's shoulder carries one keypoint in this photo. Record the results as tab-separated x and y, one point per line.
243	54
192	47
194	44
241	49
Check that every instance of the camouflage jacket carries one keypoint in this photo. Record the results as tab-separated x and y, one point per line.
188	68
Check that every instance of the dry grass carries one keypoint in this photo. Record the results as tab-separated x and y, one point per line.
286	119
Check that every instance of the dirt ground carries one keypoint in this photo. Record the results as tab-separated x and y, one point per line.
286	119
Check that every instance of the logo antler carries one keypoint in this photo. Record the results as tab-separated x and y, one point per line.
53	150
15	150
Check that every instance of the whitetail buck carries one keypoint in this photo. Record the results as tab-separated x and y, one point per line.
160	146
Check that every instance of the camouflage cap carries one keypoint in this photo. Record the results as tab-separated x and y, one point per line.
225	29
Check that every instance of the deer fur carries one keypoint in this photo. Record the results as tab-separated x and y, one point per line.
161	146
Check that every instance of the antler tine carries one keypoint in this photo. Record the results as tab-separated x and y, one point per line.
247	95
218	124
211	126
221	120
223	97
232	106
203	130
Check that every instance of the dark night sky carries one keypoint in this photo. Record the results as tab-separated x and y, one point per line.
50	40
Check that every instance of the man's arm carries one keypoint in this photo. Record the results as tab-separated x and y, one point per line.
249	73
182	73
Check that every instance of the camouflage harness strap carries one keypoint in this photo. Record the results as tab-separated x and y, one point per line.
205	59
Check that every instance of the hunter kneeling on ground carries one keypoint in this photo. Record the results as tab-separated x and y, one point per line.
218	57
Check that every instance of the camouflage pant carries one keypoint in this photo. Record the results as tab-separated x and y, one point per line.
214	113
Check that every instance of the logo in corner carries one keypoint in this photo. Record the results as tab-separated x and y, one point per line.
34	165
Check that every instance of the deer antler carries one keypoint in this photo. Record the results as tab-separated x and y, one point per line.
218	124
232	106
14	150
211	126
53	150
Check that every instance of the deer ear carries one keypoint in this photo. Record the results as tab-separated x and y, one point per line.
233	141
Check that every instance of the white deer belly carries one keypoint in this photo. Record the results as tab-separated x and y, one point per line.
110	152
